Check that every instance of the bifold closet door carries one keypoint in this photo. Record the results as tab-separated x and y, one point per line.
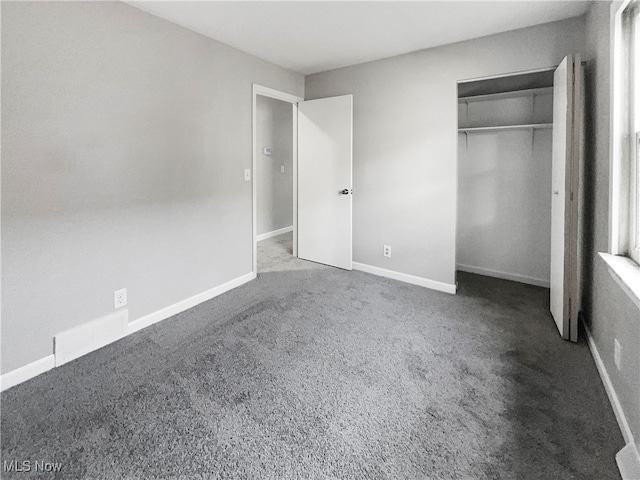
565	195
325	140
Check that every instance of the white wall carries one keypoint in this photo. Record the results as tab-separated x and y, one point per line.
274	128
124	140
504	188
405	140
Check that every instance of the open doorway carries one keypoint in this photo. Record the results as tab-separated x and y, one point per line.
321	180
274	182
274	178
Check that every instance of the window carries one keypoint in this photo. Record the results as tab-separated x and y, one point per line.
625	168
632	12
624	200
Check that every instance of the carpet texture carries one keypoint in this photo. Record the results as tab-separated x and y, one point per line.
315	372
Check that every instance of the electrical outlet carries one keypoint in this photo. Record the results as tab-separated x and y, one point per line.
617	353
281	168
119	298
386	250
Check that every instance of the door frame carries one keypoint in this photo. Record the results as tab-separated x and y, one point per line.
293	100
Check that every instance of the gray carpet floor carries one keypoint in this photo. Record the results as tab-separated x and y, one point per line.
315	372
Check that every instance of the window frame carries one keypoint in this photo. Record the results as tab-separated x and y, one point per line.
632	12
624	191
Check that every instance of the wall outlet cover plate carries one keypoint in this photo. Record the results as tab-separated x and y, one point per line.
120	298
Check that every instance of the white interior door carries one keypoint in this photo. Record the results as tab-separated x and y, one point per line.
325	138
567	138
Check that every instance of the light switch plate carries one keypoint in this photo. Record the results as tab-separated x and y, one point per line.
247	174
266	150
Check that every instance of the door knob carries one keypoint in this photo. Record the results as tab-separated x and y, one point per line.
345	191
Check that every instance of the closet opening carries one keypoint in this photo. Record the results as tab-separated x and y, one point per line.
504	176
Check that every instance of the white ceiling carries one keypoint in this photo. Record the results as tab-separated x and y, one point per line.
310	37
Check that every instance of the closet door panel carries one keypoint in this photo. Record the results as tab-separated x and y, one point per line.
560	188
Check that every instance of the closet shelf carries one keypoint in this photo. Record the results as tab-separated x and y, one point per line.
504	95
506	127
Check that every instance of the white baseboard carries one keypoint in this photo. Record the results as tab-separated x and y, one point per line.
90	336
608	386
506	276
404	277
22	374
188	303
627	458
94	335
275	233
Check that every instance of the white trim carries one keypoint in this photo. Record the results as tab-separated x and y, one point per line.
293	100
625	457
618	147
294	108
34	369
608	386
26	372
404	277
274	233
188	303
254	183
277	94
507	276
628	460
626	273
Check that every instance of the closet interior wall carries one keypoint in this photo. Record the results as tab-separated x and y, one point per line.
504	185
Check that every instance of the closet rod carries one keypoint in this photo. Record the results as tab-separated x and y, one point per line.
506	127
